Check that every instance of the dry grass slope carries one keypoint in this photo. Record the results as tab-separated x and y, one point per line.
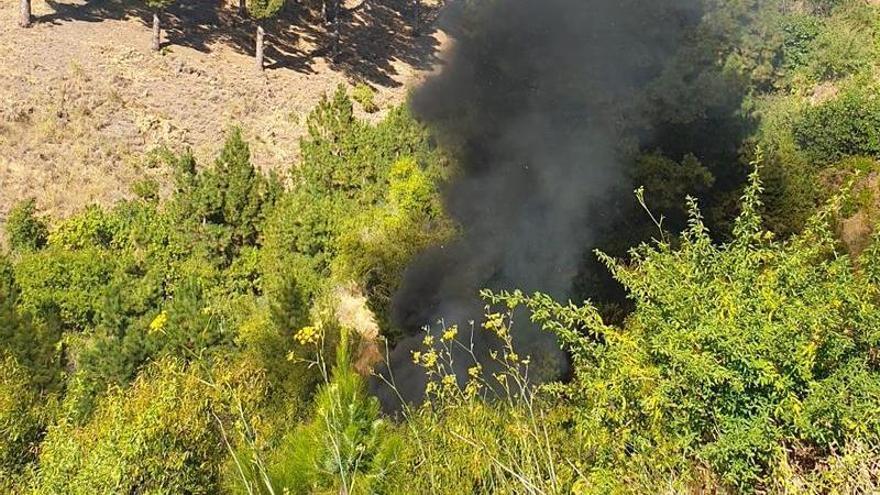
83	100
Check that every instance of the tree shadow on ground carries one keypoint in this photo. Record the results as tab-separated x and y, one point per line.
204	24
371	36
90	11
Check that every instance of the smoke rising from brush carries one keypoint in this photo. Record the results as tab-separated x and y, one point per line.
537	103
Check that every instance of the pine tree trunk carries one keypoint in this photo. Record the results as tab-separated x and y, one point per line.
157	32
242	10
417	16
260	35
25	13
335	48
331	10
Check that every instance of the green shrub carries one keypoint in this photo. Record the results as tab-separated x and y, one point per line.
484	427
26	231
846	126
261	339
21	424
375	246
365	95
793	194
733	351
67	284
486	447
792	180
847	42
162	436
800	33
93	228
667	182
33	345
146	189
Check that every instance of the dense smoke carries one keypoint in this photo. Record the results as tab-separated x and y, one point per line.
538	103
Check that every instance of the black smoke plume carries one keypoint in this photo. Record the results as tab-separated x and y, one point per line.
542	103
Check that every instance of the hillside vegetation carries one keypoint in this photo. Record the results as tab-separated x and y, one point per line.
219	327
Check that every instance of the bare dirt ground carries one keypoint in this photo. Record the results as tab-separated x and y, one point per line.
83	101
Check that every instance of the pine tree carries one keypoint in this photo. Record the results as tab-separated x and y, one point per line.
157	6
260	10
243	189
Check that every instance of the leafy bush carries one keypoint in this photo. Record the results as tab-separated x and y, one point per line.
792	182
65	284
21	423
161	436
33	345
483	447
800	33
147	189
846	126
365	95
733	351
269	345
93	228
667	182
484	427
376	245
847	42
26	231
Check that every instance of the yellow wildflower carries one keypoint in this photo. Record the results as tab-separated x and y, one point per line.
495	324
307	335
472	388
450	334
474	371
158	323
429	359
